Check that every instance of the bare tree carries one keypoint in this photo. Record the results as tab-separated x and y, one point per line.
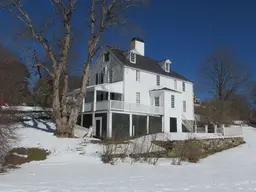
13	78
223	74
103	15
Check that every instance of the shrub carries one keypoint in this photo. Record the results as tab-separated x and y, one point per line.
140	149
7	133
189	150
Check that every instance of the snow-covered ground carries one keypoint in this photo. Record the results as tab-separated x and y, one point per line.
66	170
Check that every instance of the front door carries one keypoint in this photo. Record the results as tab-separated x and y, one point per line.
173	124
98	124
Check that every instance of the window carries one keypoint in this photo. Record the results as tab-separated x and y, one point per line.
137	97
101	80
157	101
175	84
97	79
137	75
106	57
183	86
104	69
132	57
110	76
167	67
184	106
158	80
172	101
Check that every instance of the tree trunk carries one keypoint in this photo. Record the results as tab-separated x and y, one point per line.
63	128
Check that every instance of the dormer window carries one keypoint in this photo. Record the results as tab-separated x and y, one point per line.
106	57
132	57
167	67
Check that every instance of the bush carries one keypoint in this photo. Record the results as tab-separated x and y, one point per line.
140	149
7	133
189	150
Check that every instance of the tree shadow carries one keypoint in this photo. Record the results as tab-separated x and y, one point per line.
35	125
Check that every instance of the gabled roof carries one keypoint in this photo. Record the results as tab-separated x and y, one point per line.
147	64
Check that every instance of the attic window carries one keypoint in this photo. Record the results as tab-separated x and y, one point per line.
132	57
167	68
106	57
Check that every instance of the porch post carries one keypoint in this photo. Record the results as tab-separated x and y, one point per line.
147	124
109	131
108	95
163	124
130	123
94	99
93	119
206	128
215	128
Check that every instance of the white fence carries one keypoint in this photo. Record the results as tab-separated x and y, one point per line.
222	131
122	106
233	131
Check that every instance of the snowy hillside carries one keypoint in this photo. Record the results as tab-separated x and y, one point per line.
75	166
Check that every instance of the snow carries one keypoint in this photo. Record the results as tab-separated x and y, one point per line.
75	166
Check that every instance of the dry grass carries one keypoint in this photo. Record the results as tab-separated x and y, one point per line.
19	156
139	150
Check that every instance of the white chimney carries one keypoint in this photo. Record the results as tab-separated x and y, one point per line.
137	45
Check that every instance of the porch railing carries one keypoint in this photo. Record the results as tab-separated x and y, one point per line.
122	106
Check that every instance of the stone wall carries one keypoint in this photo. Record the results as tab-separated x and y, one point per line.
206	145
217	144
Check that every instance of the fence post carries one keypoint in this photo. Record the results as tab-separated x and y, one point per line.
215	128
195	128
223	129
206	128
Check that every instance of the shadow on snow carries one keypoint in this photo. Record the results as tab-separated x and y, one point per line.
36	125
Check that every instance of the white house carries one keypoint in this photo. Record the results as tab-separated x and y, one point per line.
132	95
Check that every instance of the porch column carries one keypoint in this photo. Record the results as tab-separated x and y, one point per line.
108	95
94	99
109	127
130	123
163	124
147	124
93	119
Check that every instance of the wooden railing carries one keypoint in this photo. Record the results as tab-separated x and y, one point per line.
122	106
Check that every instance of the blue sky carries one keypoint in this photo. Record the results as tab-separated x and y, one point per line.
184	31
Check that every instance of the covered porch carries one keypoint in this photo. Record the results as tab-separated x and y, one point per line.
99	95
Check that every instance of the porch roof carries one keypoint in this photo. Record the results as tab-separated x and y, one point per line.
116	87
165	89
